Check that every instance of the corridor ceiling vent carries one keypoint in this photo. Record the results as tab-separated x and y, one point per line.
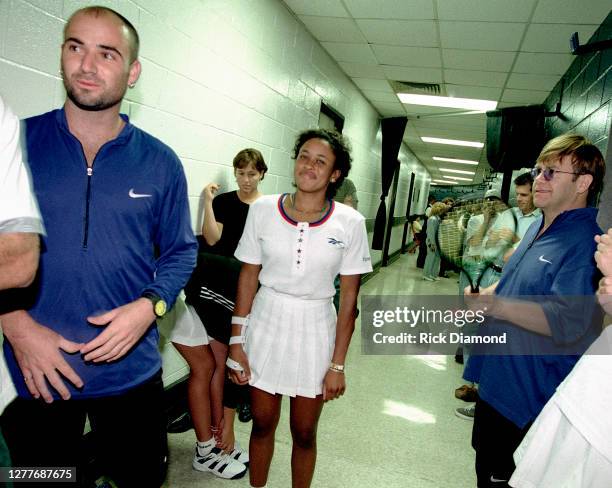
415	87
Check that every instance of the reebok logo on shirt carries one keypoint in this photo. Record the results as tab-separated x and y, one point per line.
334	242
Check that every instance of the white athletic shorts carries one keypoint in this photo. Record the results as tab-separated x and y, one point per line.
188	329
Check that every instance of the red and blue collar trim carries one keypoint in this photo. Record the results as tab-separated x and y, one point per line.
322	220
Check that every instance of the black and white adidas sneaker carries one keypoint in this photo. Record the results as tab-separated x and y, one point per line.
218	463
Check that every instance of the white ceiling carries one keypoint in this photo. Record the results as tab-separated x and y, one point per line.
510	51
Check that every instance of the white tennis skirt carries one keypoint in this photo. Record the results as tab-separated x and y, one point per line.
289	343
554	454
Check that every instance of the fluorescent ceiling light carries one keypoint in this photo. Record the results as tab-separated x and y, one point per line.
458	161
458	178
446	182
450	102
452	142
458	171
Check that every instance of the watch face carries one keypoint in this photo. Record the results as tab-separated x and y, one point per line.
160	308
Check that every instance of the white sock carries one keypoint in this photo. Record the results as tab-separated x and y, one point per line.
206	446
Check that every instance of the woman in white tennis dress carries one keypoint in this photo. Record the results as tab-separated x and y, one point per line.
292	343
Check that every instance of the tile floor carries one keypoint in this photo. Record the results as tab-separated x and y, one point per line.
394	427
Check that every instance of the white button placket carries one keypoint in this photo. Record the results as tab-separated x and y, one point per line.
299	248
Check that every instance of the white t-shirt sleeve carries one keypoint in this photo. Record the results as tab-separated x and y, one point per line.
585	396
356	258
473	225
249	247
18	208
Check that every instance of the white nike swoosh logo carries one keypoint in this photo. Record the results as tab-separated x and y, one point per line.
133	194
495	480
541	258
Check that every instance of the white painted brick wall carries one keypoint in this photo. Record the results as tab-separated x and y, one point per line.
218	76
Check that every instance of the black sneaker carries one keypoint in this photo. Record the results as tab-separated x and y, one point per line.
459	355
181	424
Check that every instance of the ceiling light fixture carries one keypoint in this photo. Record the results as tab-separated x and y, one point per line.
460	178
446	182
453	142
450	102
458	171
458	161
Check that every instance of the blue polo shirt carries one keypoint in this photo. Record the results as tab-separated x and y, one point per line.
559	263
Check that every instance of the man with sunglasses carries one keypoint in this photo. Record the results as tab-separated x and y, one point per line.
554	259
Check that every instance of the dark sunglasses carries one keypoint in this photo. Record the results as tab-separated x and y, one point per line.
549	173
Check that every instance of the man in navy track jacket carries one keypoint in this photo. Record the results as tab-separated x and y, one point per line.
119	248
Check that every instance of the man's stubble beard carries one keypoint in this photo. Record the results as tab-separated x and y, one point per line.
99	104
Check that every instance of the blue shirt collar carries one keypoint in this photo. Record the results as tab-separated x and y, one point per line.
587	213
577	214
60	117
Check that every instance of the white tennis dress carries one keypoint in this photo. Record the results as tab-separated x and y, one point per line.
292	325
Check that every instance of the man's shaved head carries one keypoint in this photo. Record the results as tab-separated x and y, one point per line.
130	30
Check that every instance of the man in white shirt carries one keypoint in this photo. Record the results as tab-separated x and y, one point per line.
525	211
20	221
20	224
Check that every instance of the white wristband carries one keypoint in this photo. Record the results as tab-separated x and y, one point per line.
239	320
236	340
235	365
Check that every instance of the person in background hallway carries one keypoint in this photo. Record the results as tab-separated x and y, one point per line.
20	226
554	258
224	218
430	202
526	214
286	338
225	214
222	229
525	211
432	262
190	339
416	228
119	248
422	256
445	266
568	445
347	194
